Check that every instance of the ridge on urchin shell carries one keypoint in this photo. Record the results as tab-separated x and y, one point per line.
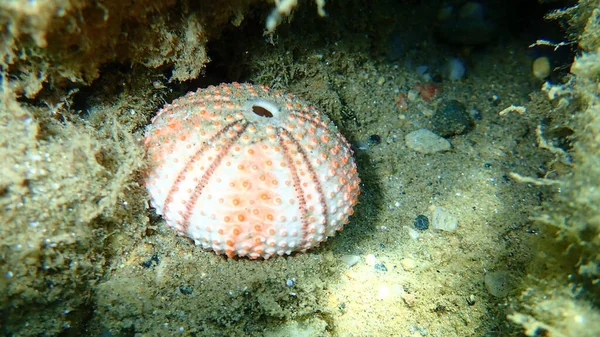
246	171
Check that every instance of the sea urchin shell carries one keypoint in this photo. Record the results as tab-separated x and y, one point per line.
246	171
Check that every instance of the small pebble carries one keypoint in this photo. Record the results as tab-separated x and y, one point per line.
471	300
350	260
363	146
374	139
497	283
425	141
394	291
541	67
371	260
290	282
409	299
452	119
408	264
421	222
495	100
380	267
443	220
422	331
412	95
186	290
476	114
454	69
153	261
413	233
383	292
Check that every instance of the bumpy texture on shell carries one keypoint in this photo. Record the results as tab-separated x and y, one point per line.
246	171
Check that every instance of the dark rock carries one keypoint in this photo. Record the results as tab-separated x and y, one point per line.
380	267
452	119
421	222
153	261
374	139
186	290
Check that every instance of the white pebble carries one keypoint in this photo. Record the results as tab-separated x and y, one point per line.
412	233
425	141
454	69
350	260
443	220
541	67
408	264
371	260
383	293
394	292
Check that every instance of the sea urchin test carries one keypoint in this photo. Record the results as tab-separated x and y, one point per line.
246	171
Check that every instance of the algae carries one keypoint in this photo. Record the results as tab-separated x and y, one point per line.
65	187
563	291
63	43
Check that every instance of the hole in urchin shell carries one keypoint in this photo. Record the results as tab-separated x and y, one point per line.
261	111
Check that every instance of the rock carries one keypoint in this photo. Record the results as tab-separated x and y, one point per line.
452	119
374	139
371	260
443	220
409	299
380	267
454	69
541	67
413	233
425	141
497	283
408	264
421	222
350	260
383	292
392	292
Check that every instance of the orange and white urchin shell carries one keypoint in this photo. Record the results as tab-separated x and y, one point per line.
246	171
